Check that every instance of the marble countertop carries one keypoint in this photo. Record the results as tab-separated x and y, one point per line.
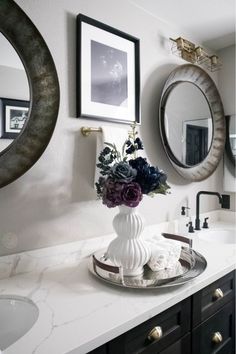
77	312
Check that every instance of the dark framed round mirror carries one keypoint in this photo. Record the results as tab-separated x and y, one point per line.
32	137
192	122
230	144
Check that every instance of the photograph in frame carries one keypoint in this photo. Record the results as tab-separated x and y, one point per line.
13	115
108	73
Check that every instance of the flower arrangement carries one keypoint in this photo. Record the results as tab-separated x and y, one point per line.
126	177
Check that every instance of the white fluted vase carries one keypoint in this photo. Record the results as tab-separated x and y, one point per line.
128	250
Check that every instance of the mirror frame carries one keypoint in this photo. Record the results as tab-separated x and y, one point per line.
197	76
227	143
29	145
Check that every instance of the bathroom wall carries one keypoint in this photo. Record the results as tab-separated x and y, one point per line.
55	201
228	94
227	79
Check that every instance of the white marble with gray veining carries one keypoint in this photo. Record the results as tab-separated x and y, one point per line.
77	312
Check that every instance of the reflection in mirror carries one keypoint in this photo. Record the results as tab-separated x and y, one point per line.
188	124
231	141
14	94
232	134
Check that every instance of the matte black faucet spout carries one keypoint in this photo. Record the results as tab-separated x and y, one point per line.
224	200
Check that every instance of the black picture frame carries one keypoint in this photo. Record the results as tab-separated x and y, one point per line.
108	73
13	115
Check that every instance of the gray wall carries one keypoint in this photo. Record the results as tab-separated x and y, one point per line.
227	79
55	201
228	94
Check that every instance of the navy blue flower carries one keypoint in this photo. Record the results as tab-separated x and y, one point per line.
132	147
128	143
148	177
139	144
138	163
130	150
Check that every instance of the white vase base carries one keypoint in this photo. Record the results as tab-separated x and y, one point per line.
132	272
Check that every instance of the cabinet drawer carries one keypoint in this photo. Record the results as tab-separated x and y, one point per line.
210	299
215	335
174	323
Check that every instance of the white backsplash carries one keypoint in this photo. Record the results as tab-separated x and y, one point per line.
39	260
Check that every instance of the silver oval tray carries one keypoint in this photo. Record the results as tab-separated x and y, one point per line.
190	265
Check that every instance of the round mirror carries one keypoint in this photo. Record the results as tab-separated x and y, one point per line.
231	137
14	94
192	122
31	123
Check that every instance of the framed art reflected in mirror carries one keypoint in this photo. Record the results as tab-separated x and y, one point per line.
13	116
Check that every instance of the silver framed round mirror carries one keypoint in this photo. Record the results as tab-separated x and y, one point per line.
34	133
192	122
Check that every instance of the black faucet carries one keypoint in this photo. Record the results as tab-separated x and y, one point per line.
224	200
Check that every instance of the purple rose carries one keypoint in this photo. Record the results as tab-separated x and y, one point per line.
112	193
131	194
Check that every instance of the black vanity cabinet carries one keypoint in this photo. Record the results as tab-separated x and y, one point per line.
213	317
172	329
100	350
201	324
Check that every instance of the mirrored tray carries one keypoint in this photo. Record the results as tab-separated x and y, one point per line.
190	265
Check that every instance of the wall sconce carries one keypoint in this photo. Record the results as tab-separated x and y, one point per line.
195	54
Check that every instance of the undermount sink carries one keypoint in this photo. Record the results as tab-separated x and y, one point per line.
218	236
17	315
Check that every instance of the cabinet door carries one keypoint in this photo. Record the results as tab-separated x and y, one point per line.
182	346
209	300
100	350
174	322
215	335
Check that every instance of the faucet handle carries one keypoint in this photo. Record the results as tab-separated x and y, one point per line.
225	201
190	227
205	224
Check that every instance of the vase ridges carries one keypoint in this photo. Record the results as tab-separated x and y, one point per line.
128	250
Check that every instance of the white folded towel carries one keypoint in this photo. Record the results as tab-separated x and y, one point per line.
112	135
165	253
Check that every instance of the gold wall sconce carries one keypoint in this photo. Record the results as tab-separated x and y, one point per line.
194	54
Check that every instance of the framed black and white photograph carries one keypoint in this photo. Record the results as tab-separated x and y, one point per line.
108	73
13	114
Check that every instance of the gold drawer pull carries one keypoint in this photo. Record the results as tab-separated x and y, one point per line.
155	334
217	338
218	294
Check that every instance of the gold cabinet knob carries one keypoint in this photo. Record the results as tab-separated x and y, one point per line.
217	338
218	294
155	334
